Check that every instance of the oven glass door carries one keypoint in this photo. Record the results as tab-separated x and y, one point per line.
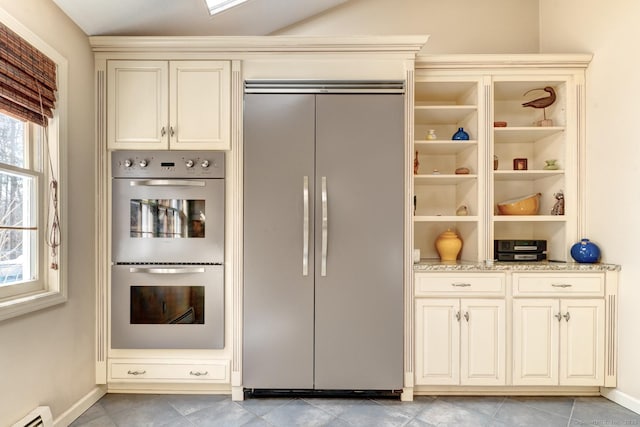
168	220
167	307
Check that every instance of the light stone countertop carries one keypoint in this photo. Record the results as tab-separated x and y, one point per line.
437	265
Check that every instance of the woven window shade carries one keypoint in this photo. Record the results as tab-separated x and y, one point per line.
27	79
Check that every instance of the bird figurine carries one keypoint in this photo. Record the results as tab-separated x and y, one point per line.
543	103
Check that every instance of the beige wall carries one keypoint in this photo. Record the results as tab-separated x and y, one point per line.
455	26
610	30
47	358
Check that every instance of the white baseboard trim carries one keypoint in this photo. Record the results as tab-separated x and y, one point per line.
71	414
623	399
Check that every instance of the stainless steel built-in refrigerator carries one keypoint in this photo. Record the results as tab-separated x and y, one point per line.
323	240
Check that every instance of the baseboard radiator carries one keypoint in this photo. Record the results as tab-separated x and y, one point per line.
39	417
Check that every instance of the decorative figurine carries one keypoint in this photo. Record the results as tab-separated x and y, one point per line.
432	135
463	210
416	164
558	207
543	103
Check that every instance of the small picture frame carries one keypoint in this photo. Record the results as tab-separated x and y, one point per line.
519	164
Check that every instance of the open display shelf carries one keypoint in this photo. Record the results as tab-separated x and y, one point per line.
448	99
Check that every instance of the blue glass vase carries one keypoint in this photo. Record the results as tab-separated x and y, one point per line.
585	251
460	135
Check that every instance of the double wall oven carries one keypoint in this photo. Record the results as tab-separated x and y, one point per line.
167	281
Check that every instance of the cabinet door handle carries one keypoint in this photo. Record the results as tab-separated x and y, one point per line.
136	372
171	131
173	270
325	228
466	316
305	226
458	316
163	131
198	374
558	316
461	285
567	316
561	285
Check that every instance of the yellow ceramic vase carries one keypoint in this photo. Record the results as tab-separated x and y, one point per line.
448	245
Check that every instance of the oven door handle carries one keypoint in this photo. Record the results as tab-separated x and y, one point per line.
167	183
172	270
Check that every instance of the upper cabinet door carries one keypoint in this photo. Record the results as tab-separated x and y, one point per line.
137	105
200	104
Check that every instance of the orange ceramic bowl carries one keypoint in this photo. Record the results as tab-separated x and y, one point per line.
526	205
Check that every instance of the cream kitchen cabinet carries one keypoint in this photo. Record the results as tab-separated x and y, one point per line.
478	92
460	329
168	105
443	104
460	342
559	329
558	342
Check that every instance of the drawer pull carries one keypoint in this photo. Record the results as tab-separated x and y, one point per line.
198	374
136	372
567	316
561	285
461	285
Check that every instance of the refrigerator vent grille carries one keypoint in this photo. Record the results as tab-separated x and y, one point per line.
319	86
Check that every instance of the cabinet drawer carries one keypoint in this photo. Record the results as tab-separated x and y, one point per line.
210	371
554	284
467	284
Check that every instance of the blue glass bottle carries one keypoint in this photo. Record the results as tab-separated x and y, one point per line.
460	135
585	251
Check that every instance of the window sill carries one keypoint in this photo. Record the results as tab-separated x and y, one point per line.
18	306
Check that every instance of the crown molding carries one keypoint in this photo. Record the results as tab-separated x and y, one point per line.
260	44
539	60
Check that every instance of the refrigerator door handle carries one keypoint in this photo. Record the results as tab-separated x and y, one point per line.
325	226
305	226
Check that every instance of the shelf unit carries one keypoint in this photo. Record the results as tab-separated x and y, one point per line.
474	92
525	138
444	105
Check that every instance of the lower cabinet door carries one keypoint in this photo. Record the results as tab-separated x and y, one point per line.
582	342
535	341
437	341
558	342
460	342
482	346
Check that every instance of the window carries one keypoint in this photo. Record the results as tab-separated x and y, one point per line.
32	125
20	219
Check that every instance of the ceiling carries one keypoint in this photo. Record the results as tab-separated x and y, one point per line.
188	17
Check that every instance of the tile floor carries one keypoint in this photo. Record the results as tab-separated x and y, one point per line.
137	410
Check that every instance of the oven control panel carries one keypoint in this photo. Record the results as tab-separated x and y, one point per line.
167	164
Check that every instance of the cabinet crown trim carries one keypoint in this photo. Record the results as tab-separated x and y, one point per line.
543	60
410	44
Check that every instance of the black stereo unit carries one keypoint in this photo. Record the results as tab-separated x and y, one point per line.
519	256
520	250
